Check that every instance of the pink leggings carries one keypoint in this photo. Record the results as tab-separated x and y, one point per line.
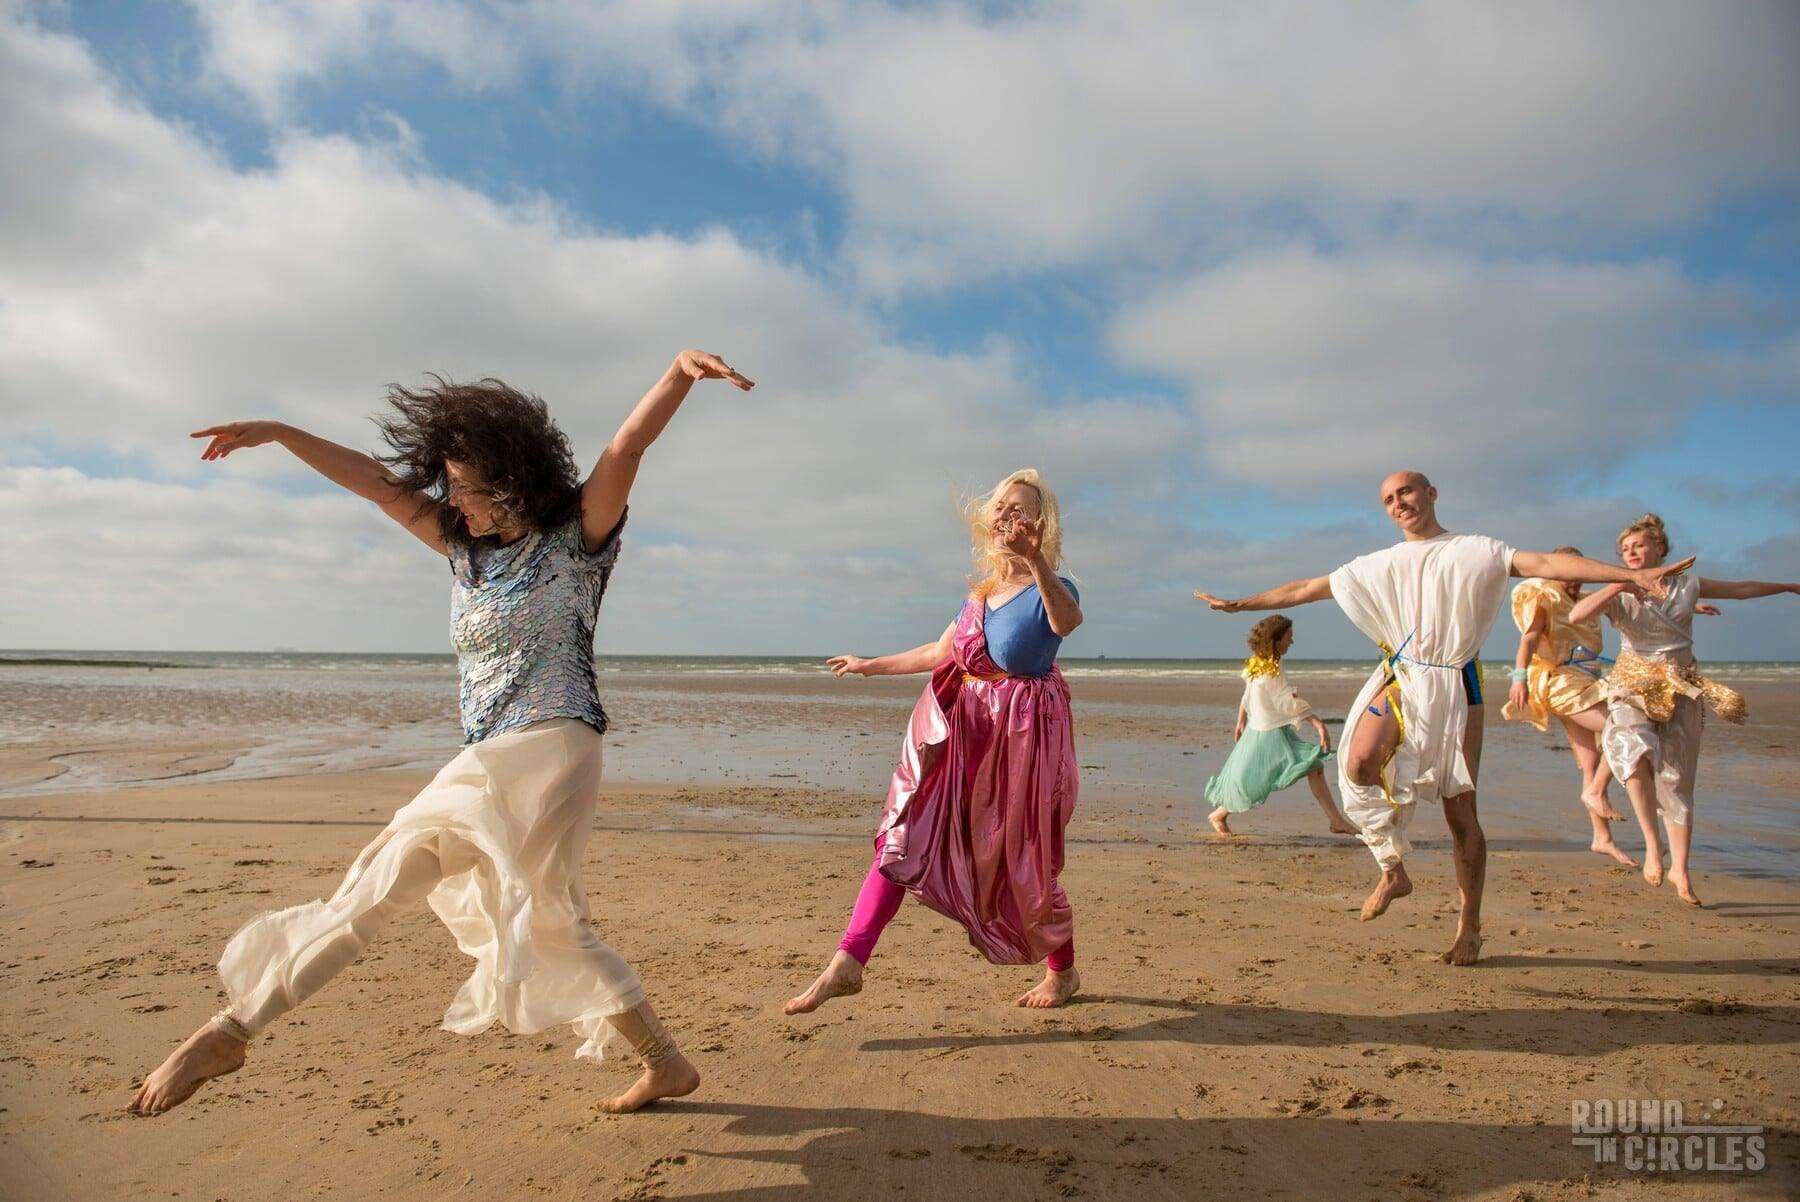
876	906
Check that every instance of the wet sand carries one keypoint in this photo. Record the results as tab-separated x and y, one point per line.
1240	1034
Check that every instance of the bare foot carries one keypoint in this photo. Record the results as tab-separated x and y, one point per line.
1653	869
841	978
1218	820
1601	805
1609	848
207	1053
1341	826
1467	948
673	1078
1054	990
1684	888
1394	884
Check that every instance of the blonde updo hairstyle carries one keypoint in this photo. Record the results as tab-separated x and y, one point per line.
1267	633
1650	526
992	560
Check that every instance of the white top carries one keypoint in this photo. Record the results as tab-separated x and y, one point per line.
1444	592
1658	629
1270	702
1433	601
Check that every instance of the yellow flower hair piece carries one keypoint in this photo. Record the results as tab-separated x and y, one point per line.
1260	665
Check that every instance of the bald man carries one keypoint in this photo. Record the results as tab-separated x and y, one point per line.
1415	731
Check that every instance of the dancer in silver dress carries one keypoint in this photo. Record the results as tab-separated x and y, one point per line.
480	474
1655	694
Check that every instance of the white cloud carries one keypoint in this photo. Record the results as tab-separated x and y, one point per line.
967	138
148	286
1312	373
296	291
264	47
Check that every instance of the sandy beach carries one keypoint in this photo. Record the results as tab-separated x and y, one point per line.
1240	1033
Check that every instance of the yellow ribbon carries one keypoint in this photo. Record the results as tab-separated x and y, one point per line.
1392	689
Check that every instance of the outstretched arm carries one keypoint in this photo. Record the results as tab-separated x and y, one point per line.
608	486
923	658
1743	590
359	473
1593	603
1294	592
1562	565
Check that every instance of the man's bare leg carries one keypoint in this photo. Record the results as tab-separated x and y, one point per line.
1340	825
1371	744
1469	848
1394	884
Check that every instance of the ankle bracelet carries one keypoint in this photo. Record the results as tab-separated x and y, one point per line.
228	1022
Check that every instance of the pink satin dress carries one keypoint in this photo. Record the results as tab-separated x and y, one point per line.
977	806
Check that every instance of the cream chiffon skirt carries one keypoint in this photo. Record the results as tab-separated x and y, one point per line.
494	843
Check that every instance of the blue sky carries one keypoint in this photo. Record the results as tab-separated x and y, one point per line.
1213	272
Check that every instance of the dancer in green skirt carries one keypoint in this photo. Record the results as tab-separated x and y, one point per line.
1268	754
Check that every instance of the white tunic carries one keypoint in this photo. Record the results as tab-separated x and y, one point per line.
1270	701
1432	602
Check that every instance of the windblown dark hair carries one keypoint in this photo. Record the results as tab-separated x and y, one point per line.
505	436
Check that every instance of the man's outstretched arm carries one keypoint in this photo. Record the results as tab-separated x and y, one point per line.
1294	592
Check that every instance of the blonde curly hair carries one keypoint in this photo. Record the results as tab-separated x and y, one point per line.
1651	526
993	561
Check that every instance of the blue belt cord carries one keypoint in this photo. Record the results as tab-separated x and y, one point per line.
1580	657
1399	653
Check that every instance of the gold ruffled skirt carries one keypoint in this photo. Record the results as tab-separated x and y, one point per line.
1657	683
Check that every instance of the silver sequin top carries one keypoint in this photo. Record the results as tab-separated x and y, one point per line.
522	621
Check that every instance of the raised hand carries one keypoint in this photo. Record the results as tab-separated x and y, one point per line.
848	665
1655	582
234	436
1218	603
1022	537
701	366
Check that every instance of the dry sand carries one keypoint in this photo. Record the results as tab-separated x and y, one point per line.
1241	1034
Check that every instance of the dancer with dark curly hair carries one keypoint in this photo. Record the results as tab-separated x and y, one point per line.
1266	755
480	474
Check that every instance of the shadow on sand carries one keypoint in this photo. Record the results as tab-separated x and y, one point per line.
1556	1031
859	1152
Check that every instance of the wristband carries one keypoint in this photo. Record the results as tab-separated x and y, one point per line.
1519	675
